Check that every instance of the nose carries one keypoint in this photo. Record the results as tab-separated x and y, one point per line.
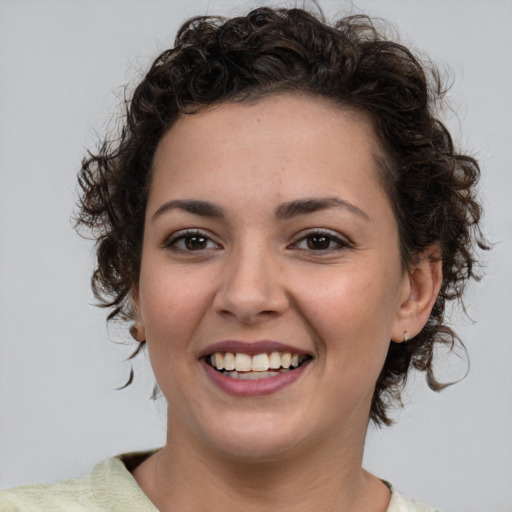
251	286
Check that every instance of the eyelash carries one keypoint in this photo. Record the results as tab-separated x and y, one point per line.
188	234
330	236
327	236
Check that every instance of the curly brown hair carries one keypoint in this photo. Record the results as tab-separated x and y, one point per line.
431	186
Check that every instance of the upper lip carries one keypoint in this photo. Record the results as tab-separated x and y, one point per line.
251	348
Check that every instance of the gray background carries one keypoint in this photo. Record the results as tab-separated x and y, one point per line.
62	67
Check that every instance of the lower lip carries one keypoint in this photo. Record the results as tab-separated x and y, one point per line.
258	387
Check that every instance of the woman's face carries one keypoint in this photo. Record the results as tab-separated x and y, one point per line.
268	238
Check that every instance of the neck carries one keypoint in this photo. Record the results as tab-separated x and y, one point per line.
188	477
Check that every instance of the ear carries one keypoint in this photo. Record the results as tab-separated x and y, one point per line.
137	330
422	283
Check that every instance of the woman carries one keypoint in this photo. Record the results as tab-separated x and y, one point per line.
283	221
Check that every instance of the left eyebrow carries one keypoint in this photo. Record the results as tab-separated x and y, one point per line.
308	205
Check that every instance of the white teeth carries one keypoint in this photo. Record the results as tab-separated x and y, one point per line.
218	361
259	363
243	362
275	360
229	361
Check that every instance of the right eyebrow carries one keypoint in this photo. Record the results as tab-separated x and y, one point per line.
194	206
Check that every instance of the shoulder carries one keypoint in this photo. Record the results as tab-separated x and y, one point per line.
401	503
109	488
66	495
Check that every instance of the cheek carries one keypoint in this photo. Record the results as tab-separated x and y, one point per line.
171	308
351	311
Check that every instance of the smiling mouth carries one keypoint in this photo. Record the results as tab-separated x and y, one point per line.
238	365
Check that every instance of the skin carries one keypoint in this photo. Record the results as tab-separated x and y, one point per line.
254	276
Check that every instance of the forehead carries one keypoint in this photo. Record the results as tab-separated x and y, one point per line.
283	145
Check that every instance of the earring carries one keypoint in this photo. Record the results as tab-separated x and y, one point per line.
404	339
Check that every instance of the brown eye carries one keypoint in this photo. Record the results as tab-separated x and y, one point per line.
321	241
191	241
195	242
318	242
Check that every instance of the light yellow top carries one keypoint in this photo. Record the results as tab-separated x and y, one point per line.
111	488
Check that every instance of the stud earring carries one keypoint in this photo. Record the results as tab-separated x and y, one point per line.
404	339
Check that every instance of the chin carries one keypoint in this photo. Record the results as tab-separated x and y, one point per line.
257	441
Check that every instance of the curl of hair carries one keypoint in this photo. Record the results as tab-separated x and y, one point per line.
431	186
